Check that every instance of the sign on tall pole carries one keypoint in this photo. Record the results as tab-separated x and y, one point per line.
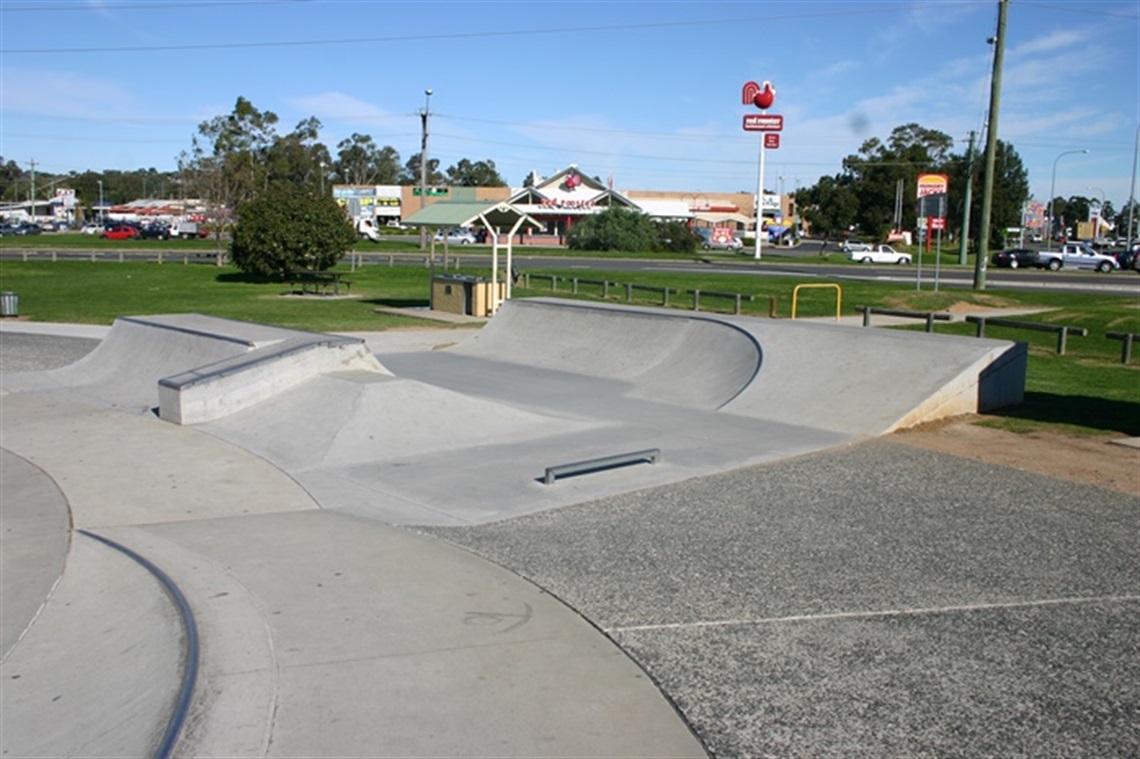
769	125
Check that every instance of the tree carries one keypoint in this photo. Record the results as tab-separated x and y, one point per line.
298	157
676	237
1011	190
831	205
614	229
910	150
411	173
360	162
287	228
478	174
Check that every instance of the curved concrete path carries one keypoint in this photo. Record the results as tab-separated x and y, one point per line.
323	634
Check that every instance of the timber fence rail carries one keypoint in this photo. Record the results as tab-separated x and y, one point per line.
928	316
1062	331
1126	339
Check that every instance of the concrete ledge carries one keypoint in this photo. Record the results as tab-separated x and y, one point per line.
217	390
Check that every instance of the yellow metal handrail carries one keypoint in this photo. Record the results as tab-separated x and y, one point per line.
838	297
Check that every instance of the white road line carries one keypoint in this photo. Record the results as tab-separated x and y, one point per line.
874	614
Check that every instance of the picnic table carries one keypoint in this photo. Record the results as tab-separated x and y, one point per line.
318	282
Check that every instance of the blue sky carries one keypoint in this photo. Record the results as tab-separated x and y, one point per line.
646	92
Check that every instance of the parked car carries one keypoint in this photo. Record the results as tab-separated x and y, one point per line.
455	236
155	231
721	238
854	246
1015	258
1077	255
120	232
24	228
880	254
91	228
1129	259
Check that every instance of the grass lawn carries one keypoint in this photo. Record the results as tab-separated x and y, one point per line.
1088	390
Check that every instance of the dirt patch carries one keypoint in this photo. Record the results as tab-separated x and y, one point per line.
1089	460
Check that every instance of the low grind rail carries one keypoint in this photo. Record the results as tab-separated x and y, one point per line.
650	455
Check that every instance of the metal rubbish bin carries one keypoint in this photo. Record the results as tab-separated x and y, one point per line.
9	304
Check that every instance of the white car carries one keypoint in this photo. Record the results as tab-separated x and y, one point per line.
852	246
455	237
91	228
880	254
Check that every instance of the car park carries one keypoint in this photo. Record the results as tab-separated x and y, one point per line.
120	232
455	236
1015	258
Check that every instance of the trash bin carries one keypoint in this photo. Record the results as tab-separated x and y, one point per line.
9	304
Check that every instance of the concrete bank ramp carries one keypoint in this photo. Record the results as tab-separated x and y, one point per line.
193	368
832	377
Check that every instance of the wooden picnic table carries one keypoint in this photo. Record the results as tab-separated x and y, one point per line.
318	282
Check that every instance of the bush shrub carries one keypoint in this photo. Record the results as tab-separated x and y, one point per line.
288	228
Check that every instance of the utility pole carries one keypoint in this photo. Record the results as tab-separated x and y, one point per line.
1132	192
991	150
968	199
423	161
33	164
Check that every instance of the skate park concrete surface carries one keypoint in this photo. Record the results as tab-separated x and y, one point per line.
783	582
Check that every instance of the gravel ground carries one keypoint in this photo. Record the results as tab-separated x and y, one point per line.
878	600
21	352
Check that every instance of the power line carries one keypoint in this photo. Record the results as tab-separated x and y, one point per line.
892	8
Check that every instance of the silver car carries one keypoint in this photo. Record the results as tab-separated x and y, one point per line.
455	237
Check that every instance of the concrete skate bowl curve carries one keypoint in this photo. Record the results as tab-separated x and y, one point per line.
193	367
676	358
825	376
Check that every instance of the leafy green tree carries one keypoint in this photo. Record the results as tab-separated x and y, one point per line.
676	237
614	229
830	206
478	174
287	228
877	169
1011	190
299	157
10	175
360	162
411	173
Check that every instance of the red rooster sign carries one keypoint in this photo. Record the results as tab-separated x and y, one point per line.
760	96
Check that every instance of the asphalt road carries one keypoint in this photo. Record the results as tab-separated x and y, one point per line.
776	261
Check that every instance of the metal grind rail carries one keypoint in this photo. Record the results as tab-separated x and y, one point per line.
650	455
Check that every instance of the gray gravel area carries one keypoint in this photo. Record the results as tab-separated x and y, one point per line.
22	352
876	600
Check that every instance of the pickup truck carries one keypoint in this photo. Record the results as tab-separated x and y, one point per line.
879	254
187	230
1076	255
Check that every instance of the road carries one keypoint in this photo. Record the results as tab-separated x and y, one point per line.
776	261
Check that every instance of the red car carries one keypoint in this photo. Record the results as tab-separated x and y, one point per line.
119	232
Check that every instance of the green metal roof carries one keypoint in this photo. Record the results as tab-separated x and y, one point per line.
462	213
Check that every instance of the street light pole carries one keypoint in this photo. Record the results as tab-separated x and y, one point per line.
102	215
423	161
1053	191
